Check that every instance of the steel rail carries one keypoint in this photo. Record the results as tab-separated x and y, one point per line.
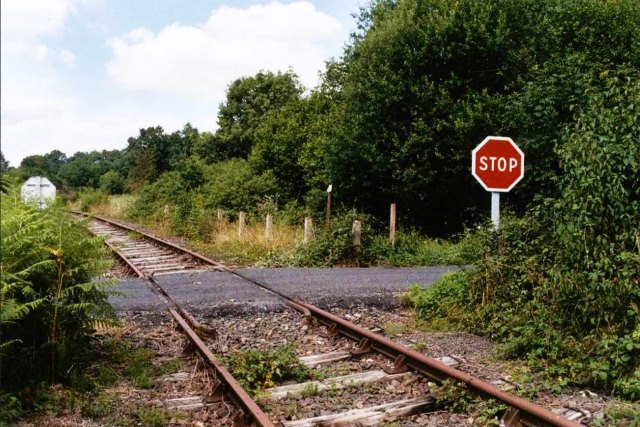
530	413
226	381
523	412
238	394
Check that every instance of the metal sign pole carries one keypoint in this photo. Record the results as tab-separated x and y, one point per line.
495	209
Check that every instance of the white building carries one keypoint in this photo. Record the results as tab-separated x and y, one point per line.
40	190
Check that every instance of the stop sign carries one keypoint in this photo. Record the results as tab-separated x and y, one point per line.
497	163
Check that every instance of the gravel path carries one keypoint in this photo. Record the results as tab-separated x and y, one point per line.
213	294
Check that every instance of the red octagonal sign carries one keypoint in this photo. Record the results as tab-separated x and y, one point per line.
497	163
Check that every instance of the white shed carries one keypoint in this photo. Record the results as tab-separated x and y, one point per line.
40	190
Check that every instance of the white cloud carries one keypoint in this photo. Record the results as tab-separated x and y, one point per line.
32	92
67	57
203	60
72	131
34	17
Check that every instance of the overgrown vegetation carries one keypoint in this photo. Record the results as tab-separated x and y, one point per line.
455	397
560	286
256	370
87	394
50	301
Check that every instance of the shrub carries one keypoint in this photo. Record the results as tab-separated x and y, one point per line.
334	245
49	301
89	198
444	299
560	285
112	182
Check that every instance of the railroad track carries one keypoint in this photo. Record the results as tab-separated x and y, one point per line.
149	256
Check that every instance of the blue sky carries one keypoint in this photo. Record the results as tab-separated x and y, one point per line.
82	75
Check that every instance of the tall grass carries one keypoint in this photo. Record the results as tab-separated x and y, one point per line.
253	246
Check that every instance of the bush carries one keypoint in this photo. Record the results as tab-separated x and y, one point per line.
112	183
447	298
334	245
49	301
89	198
560	285
413	249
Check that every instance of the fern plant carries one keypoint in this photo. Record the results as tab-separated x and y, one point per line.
50	294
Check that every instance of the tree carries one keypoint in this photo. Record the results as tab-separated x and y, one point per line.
112	182
249	99
425	81
234	186
4	164
154	152
35	165
291	143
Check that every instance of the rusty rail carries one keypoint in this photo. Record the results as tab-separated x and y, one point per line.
251	412
521	412
529	413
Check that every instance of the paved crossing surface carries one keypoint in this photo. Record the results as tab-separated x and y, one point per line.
218	293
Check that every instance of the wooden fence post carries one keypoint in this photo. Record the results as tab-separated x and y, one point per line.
308	229
242	218
392	225
268	232
357	234
220	216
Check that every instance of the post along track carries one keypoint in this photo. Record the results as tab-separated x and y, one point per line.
520	411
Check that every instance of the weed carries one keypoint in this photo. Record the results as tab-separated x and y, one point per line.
292	409
257	370
98	406
455	397
311	389
11	407
420	346
90	198
153	417
141	371
621	415
395	328
441	305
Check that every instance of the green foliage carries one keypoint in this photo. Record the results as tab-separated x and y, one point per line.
234	186
447	298
154	417
154	152
426	81
112	182
4	164
85	169
560	285
188	199
249	100
413	249
89	198
49	300
257	370
455	397
621	415
10	408
334	245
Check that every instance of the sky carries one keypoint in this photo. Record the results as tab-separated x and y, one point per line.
83	75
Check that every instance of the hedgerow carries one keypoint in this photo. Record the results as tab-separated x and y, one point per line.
561	285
